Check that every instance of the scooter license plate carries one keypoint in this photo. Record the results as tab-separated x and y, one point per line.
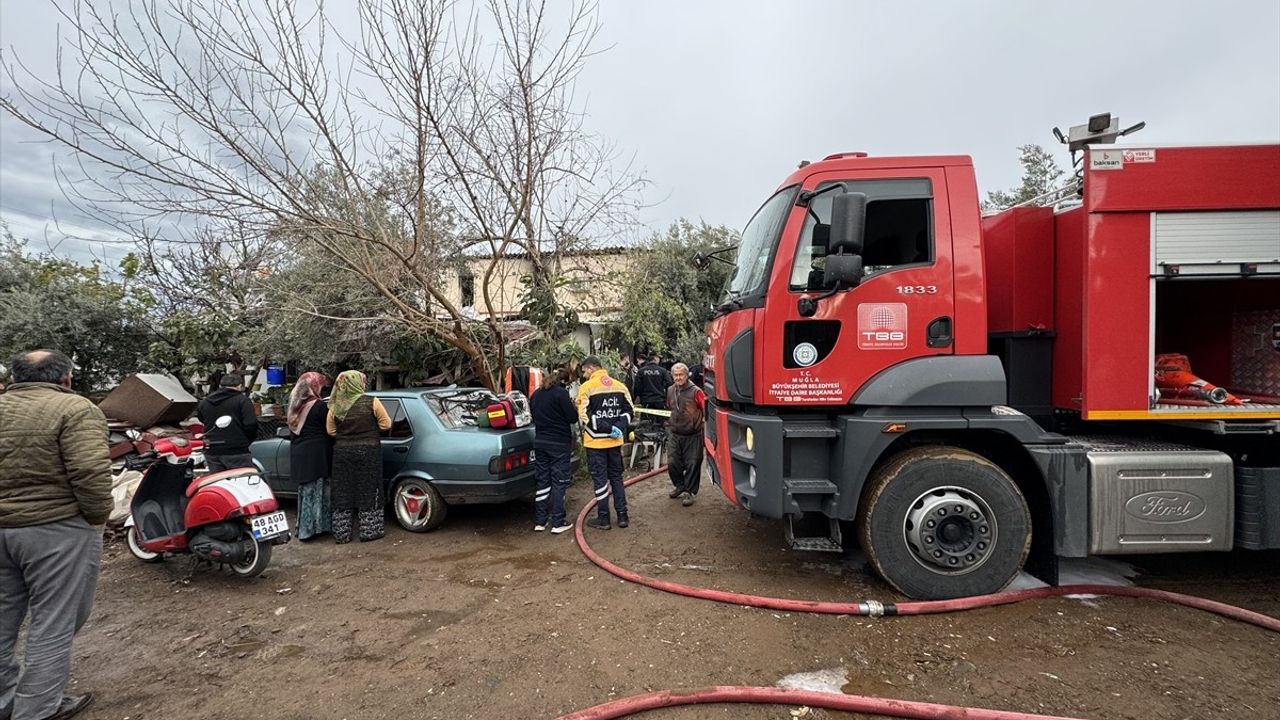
269	526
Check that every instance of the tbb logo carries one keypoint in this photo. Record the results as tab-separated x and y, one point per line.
882	326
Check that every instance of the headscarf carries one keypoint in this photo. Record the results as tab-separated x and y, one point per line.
305	394
346	391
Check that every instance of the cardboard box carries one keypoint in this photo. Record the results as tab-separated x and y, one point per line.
149	400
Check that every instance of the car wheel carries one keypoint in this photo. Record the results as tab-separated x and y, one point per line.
417	505
255	560
939	523
135	547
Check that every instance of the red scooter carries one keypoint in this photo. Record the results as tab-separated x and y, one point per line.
230	518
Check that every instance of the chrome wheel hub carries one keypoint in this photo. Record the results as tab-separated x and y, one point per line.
950	530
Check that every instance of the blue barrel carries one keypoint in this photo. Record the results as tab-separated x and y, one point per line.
275	375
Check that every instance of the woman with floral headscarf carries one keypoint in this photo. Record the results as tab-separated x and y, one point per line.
310	454
356	422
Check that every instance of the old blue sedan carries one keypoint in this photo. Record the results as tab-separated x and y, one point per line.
433	456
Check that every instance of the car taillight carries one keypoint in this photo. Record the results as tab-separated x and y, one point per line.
506	463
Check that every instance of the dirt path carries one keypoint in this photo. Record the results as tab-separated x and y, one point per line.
486	619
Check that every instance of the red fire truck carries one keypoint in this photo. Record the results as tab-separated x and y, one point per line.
979	394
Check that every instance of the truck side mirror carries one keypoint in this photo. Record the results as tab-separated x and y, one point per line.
848	223
842	271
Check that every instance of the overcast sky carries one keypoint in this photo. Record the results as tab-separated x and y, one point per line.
718	101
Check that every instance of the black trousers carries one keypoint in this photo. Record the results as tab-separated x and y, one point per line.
553	469
684	462
605	466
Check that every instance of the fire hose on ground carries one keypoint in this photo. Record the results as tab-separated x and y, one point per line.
880	706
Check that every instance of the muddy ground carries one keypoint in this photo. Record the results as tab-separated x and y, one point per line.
485	619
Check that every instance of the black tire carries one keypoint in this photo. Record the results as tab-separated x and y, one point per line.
983	515
417	505
135	547
254	564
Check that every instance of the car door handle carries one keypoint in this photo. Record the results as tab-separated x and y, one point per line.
402	449
939	333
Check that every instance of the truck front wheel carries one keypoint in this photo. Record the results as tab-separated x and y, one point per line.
940	522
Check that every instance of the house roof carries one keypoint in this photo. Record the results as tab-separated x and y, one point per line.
584	252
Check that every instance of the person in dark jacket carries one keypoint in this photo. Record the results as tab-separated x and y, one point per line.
652	381
554	416
310	454
356	422
55	495
684	463
697	376
229	425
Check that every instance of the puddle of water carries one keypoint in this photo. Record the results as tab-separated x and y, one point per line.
831	680
1082	571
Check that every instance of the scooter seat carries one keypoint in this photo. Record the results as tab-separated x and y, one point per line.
215	477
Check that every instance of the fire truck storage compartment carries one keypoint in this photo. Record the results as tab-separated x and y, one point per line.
1229	329
1173	250
1157	497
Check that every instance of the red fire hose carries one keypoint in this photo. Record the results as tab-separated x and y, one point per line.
872	608
741	694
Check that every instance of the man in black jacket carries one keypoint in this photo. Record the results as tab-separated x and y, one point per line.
652	381
229	426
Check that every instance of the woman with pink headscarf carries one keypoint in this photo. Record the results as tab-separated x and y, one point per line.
310	454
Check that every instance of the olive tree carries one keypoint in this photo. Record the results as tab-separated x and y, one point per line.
262	115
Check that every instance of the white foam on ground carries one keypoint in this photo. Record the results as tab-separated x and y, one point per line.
831	680
1082	571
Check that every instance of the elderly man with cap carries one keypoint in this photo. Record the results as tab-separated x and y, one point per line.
229	425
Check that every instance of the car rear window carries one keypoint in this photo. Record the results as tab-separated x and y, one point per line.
458	408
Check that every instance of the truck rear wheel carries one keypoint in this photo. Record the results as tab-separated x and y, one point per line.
940	522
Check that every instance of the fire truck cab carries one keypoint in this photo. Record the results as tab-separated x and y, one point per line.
978	394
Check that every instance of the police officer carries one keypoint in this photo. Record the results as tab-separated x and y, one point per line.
652	381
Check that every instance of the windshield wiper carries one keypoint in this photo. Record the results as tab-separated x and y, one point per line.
702	260
728	306
804	198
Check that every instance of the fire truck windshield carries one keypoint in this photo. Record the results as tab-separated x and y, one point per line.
759	240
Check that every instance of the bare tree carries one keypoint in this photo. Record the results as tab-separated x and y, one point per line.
261	116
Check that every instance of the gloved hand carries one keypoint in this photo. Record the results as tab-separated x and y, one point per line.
615	432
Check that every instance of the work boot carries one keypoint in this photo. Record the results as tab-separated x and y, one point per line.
623	521
71	706
599	523
675	493
686	499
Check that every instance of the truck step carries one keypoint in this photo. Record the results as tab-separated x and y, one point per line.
810	486
831	542
816	544
810	431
